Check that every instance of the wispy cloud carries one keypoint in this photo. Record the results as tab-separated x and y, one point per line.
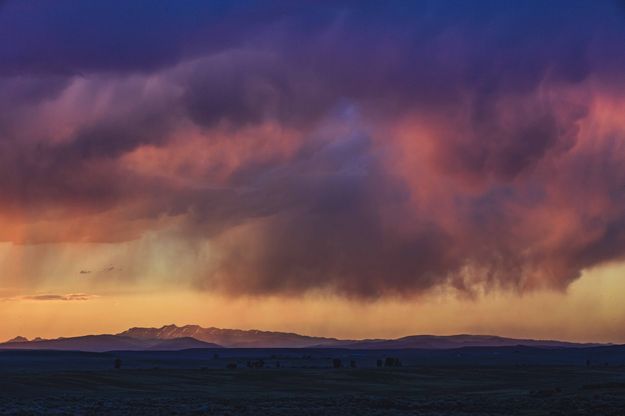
53	297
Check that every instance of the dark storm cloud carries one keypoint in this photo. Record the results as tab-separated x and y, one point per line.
71	37
327	231
364	147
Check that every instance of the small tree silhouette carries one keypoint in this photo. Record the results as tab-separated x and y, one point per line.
117	363
336	363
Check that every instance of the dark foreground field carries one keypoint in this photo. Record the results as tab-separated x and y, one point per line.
155	384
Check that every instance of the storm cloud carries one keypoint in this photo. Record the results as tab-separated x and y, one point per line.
365	148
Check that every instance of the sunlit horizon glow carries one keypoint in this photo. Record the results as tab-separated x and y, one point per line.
345	169
532	316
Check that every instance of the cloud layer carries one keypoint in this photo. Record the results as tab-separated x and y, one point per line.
364	148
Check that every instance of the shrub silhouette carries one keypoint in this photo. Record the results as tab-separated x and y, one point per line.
117	363
336	363
392	362
255	363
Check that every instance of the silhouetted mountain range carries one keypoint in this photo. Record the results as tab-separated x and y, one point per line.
102	343
234	338
172	337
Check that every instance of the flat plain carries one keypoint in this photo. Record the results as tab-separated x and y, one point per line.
71	383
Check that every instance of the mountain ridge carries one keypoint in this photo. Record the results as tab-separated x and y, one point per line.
173	337
233	338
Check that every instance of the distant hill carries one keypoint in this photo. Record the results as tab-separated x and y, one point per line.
457	341
172	338
183	343
233	338
102	343
18	339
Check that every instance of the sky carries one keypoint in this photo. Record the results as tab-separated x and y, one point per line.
342	168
